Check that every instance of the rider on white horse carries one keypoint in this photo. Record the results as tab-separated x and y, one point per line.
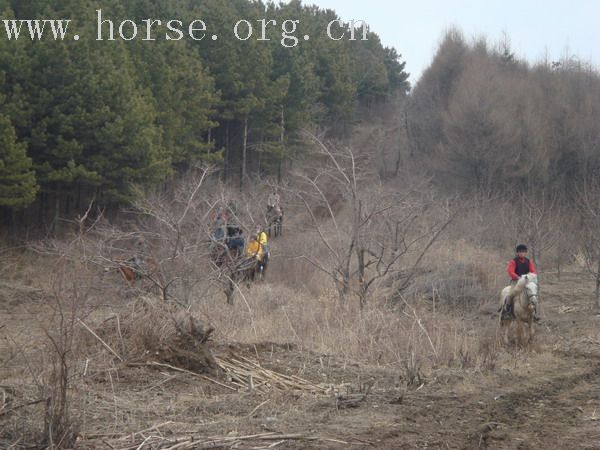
518	266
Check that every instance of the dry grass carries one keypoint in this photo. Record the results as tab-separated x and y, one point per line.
123	329
461	276
378	334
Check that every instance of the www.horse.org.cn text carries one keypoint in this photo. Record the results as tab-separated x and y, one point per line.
109	29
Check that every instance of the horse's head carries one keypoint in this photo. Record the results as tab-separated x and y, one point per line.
531	287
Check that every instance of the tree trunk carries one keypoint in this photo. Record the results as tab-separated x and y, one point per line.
362	293
226	156
78	201
13	222
4	216
244	153
8	219
56	213
281	140
67	205
344	285
399	155
598	285
42	209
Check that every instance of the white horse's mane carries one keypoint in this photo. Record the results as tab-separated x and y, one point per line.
524	280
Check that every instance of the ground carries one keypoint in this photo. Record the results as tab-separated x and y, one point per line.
545	396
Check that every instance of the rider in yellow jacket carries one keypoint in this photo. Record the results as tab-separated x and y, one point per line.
257	247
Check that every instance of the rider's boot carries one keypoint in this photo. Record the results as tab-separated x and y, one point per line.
507	311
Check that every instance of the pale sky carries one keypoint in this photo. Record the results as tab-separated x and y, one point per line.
535	27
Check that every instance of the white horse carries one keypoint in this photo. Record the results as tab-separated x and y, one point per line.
525	300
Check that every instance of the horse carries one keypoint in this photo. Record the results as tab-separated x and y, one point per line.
525	300
226	249
236	272
136	268
243	270
223	255
274	220
129	268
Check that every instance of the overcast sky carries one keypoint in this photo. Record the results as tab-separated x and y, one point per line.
535	27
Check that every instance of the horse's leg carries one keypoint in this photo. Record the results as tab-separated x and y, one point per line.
230	291
503	325
250	276
530	333
521	334
506	327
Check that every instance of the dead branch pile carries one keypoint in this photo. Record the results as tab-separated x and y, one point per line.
152	330
154	334
247	374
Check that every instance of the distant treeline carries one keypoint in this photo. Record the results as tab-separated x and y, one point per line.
481	120
82	119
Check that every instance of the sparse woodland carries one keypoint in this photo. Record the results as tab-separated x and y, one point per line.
402	205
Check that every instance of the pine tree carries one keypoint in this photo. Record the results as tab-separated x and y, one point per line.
18	186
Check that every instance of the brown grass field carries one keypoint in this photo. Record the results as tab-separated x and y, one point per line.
293	367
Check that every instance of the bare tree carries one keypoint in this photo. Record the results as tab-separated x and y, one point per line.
589	208
71	288
182	224
178	224
535	222
384	234
564	223
164	239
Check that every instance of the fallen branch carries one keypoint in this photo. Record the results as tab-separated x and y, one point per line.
215	442
179	369
34	402
100	339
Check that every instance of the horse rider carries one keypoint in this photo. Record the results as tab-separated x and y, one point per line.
261	237
140	250
236	241
274	210
257	247
137	262
218	223
518	266
219	217
273	200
